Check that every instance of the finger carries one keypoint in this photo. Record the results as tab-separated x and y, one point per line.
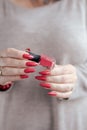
60	95
16	71
69	78
14	53
59	70
57	87
10	62
5	79
9	82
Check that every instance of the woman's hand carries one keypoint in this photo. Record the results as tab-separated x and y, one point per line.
61	80
14	65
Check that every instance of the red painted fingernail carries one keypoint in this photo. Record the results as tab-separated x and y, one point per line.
46	72
52	93
29	70
27	56
28	49
41	78
8	85
45	85
31	64
24	76
4	87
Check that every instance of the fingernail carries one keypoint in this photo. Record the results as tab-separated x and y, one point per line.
31	64
41	78
29	70
8	85
46	72
45	85
27	56
24	76
4	87
52	93
28	49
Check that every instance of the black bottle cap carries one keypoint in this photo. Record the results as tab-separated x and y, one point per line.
36	58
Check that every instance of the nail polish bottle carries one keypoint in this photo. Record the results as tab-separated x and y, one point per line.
43	60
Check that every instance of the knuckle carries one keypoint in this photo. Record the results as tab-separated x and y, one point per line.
67	69
71	67
69	87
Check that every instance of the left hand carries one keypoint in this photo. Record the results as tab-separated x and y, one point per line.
61	80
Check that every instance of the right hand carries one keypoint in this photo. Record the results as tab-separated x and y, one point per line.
15	65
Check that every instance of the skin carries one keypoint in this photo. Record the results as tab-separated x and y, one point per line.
32	3
13	65
62	78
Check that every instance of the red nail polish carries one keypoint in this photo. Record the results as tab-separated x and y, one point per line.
27	56
29	70
46	72
28	49
53	93
47	61
41	78
31	64
8	85
5	87
24	76
45	85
